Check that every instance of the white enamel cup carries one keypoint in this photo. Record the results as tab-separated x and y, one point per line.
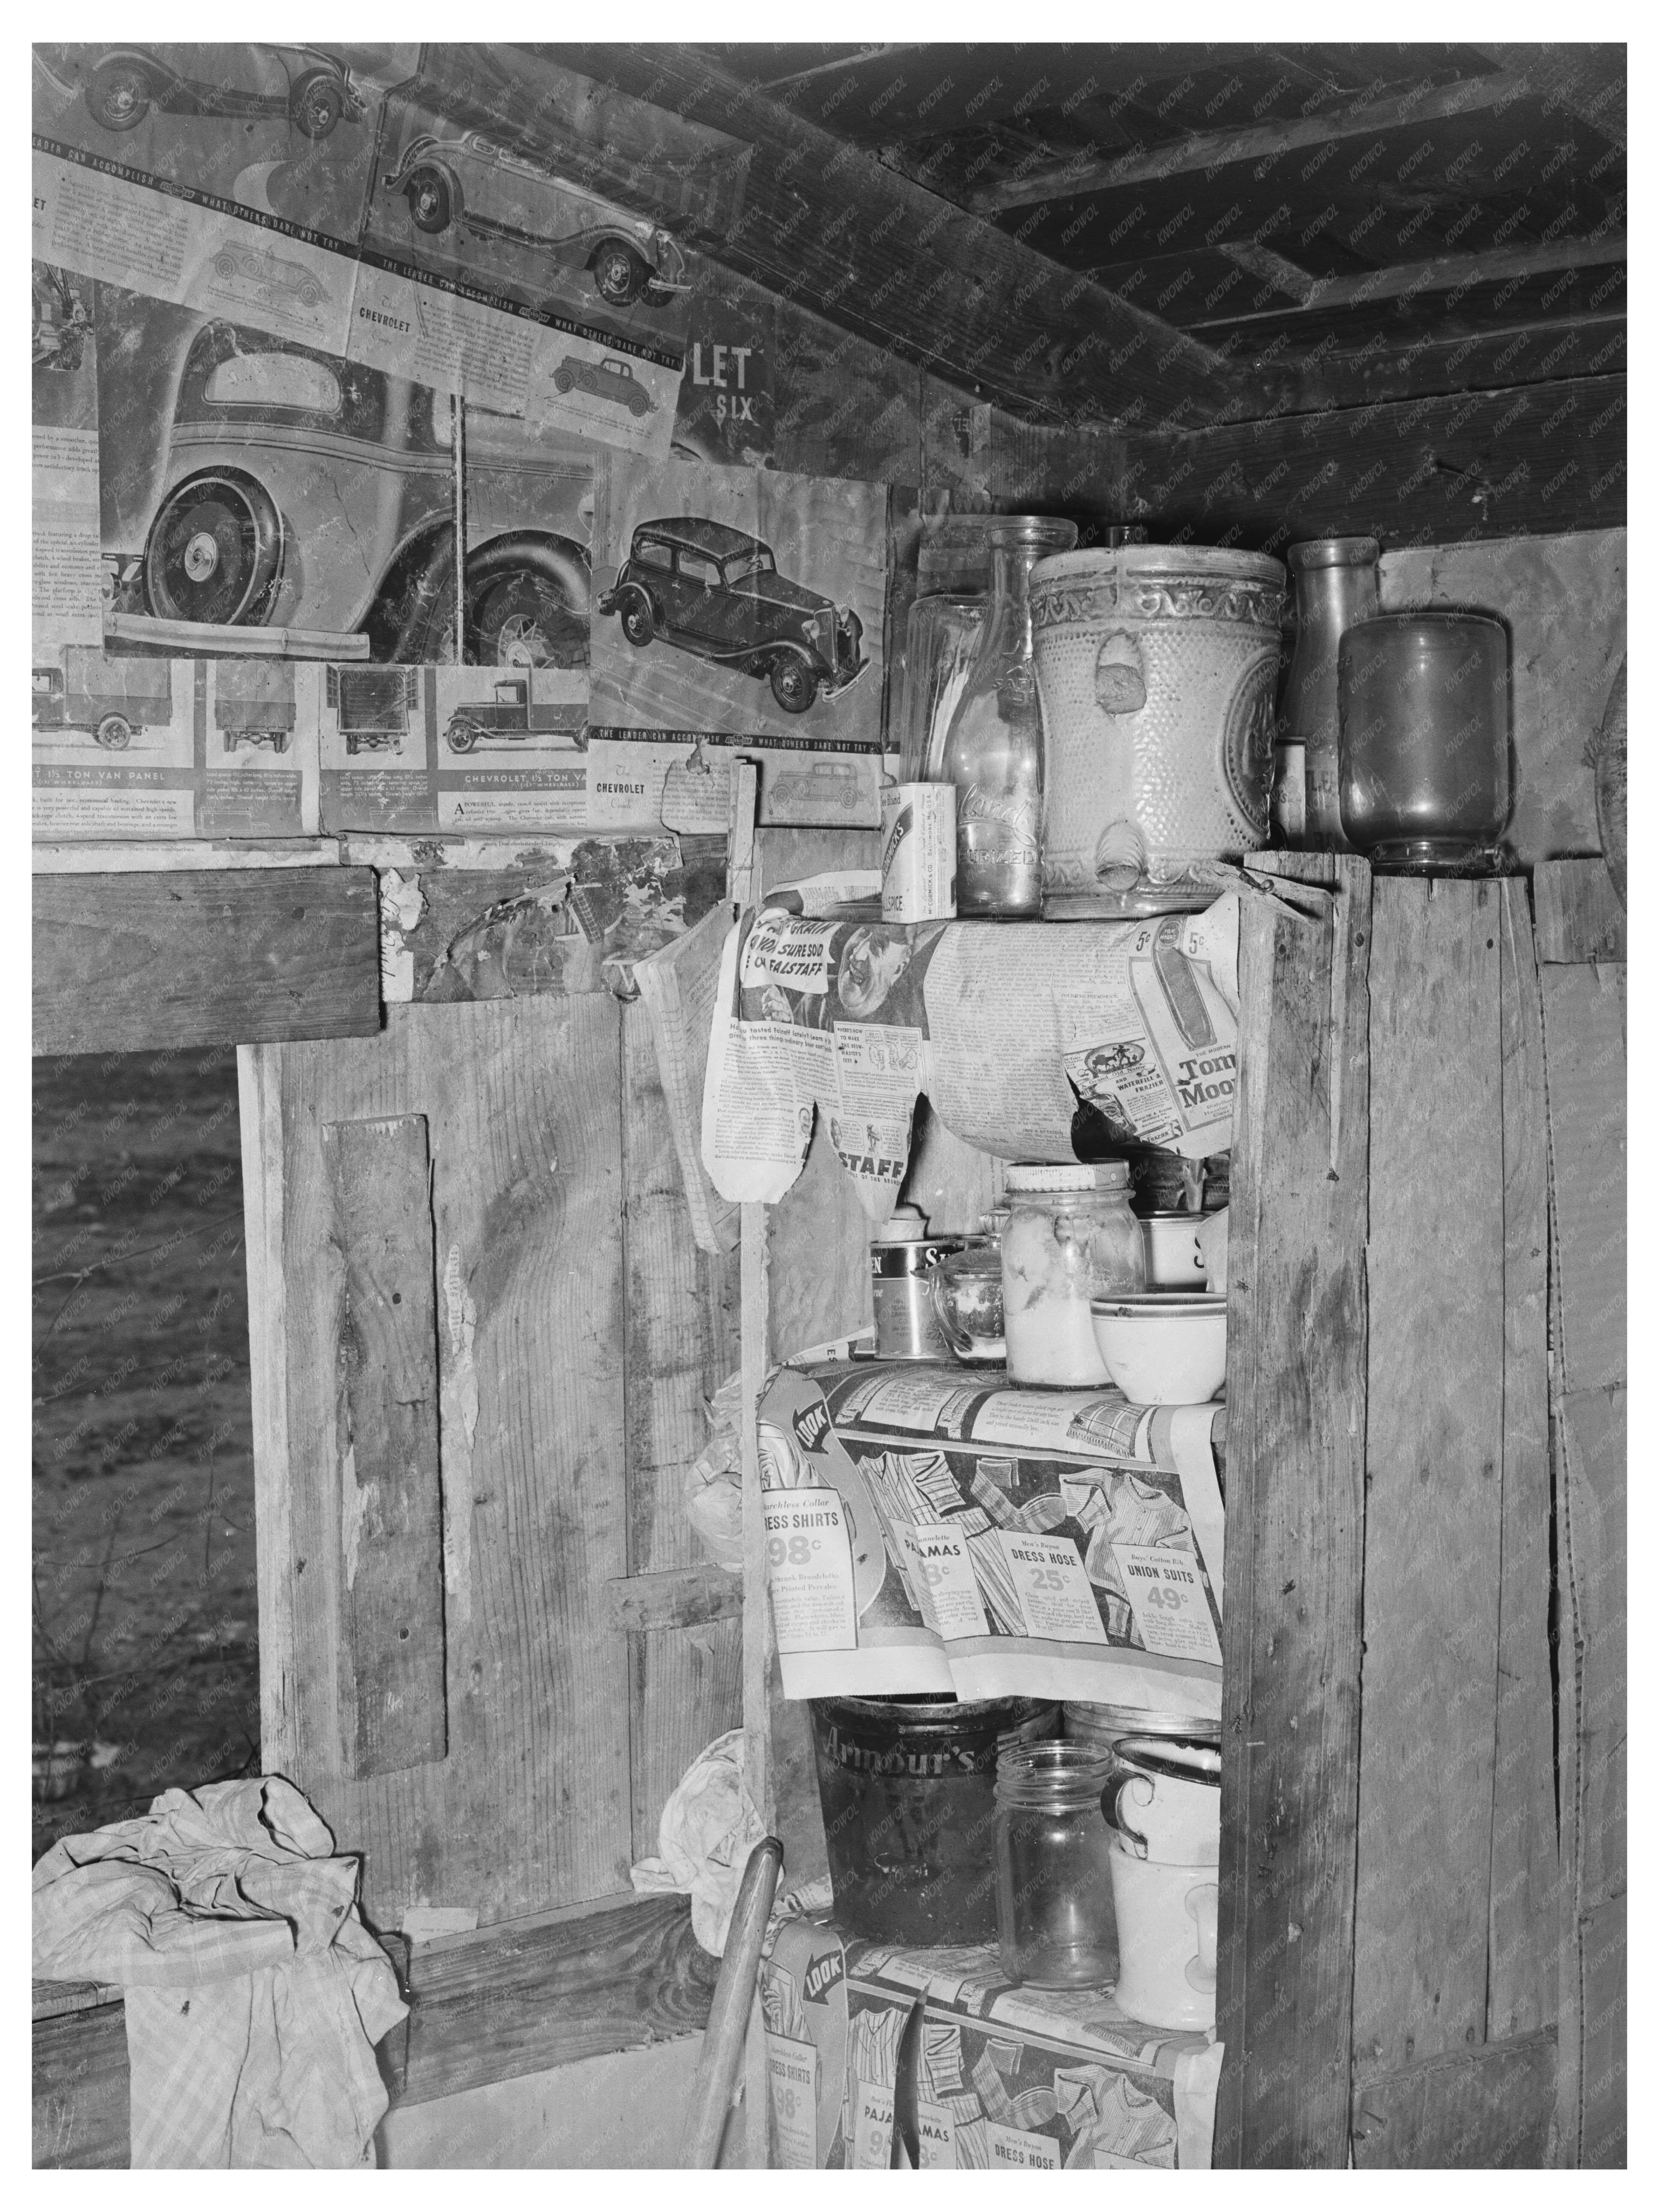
1163	1800
1166	1922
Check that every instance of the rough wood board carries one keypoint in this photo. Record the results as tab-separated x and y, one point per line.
492	2007
1605	2011
680	1344
1486	2107
138	963
155	854
1526	1868
82	2089
1404	471
1296	1389
953	1182
391	1657
1577	914
678	1597
531	1808
1584	1058
1434	1473
1592	1441
755	1250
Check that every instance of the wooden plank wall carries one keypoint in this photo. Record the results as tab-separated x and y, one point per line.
1582	942
533	1806
136	962
1296	1393
1457	1872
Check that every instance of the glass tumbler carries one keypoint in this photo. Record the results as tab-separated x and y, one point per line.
941	636
1056	1927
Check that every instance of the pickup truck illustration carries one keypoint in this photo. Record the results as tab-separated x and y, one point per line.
273	272
512	716
302	491
608	379
253	703
468	182
716	592
120	84
373	705
112	699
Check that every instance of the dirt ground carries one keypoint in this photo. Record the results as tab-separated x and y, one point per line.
146	1645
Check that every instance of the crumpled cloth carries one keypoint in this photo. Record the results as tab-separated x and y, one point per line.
708	1829
254	1993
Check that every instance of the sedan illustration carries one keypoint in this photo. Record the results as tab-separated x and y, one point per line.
120	84
716	592
470	183
607	379
273	272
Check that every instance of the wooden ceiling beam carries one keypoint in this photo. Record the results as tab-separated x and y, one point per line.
1268	141
825	224
1409	280
1588	82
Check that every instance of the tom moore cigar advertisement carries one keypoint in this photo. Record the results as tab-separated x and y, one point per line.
1027	1040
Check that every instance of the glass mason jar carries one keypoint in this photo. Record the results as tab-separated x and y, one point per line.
1424	699
941	638
1336	585
1056	1927
1071	1237
994	747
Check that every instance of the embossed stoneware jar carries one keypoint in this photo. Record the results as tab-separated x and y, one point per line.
1156	665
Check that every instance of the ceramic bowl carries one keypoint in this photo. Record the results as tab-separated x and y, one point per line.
1169	1349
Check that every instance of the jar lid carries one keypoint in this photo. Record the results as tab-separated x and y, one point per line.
1334	553
1098	1174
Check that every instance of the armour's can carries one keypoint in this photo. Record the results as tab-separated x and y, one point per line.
918	852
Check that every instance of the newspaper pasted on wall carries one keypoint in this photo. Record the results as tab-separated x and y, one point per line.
1011	1032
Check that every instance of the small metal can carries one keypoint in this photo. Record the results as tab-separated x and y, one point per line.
918	852
906	1327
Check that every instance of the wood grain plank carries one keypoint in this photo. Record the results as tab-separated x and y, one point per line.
521	1097
1486	2107
681	1343
1584	1053
492	2007
131	962
392	1676
81	2096
1525	1890
678	1597
1419	472
1434	1458
1296	1391
1592	1438
1577	914
1604	2012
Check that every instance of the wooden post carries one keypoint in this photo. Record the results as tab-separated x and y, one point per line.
1295	1390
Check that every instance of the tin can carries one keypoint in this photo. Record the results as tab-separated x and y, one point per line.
918	852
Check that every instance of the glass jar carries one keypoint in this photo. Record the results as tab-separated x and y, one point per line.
1056	1927
1336	585
1425	780
994	747
1070	1237
967	1291
941	637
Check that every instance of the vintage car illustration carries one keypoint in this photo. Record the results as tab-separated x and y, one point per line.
608	378
468	181
716	592
253	703
111	698
120	84
830	787
273	272
513	715
373	705
316	494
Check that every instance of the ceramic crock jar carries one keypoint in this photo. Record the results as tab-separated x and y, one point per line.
1156	665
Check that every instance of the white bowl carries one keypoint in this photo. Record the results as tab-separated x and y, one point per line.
1169	1349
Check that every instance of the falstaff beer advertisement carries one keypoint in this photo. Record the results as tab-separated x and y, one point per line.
338	373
